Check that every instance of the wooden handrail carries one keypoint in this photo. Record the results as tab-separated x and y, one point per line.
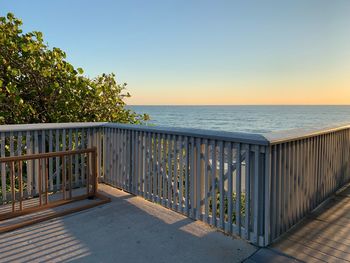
46	155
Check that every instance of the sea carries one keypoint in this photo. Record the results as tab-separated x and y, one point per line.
251	119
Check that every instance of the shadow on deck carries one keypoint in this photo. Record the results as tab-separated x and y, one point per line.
324	236
128	229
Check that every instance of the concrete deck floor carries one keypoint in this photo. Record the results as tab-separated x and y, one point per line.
129	229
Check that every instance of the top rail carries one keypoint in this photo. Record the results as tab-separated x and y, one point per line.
49	126
249	138
300	134
265	139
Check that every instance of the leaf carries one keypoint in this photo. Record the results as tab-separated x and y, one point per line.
54	90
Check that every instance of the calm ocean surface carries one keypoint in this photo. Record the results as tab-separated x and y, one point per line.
256	119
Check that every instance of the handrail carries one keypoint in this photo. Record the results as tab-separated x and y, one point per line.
46	155
48	126
43	180
303	133
241	137
265	139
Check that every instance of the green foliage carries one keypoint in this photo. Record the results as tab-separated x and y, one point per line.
38	85
234	200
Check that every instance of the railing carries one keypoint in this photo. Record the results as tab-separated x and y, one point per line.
305	168
209	176
19	140
22	201
251	185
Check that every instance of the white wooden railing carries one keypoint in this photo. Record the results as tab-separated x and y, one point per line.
255	186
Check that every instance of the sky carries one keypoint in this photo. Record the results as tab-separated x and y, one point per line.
204	52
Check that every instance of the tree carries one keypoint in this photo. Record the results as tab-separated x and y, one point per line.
38	85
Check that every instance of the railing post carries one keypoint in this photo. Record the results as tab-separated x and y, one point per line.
198	173
267	208
94	170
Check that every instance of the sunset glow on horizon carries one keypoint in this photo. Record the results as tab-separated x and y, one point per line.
204	52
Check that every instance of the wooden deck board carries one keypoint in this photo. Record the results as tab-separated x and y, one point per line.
323	236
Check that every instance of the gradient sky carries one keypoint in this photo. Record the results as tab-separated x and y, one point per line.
204	52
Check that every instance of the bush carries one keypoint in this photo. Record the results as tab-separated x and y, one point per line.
38	85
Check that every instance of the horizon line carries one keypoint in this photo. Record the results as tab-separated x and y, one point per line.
238	105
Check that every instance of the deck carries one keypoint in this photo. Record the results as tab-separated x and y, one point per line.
324	236
128	229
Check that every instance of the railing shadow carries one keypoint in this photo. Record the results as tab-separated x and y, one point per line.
323	236
129	229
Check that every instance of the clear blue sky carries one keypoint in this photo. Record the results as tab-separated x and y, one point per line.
204	52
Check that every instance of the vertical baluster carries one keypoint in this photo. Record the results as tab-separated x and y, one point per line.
294	181
206	181
12	179
87	173
47	180
104	146
169	169
128	159
247	192
63	159
12	153
284	190
51	160
213	182
82	156
3	168
149	163
98	163
117	158
58	167
20	184
221	185
70	175
198	182
186	177
76	158
256	193
19	143
159	162
43	142
238	188
120	158
279	186
36	162
154	171
267	195
181	176
192	179
175	172
111	155
142	162
64	164
164	175
125	153
20	176
107	154
29	164
40	176
138	162
229	186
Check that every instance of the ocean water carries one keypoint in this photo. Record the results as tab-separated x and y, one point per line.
256	119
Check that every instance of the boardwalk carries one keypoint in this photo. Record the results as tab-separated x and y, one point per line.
324	236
